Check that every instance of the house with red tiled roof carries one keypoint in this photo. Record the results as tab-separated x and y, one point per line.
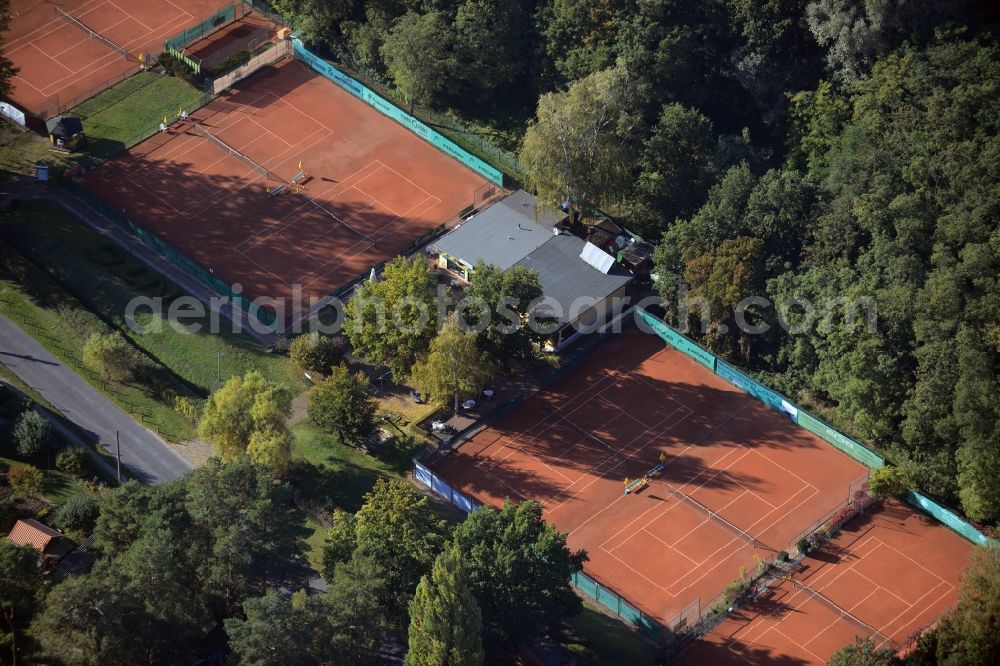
30	532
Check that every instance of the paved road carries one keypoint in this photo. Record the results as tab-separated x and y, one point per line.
145	455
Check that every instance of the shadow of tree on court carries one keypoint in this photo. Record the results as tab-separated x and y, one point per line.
229	225
736	652
501	480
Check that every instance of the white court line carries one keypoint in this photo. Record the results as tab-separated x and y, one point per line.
405	178
119	8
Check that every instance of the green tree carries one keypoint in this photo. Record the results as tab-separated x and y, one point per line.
242	407
445	623
340	404
863	653
454	367
274	632
968	636
418	56
78	513
353	608
396	528
33	433
110	355
239	526
106	617
489	38
26	480
391	321
579	35
340	541
121	514
315	352
20	582
72	460
892	481
856	33
505	297
677	167
580	144
519	569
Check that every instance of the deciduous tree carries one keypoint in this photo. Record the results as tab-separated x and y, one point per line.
968	637
519	568
391	321
505	297
110	355
242	407
454	367
340	404
418	56
315	352
581	141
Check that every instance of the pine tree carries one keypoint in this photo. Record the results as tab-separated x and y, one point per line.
445	622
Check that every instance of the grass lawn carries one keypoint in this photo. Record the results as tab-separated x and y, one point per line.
58	486
119	116
113	120
62	325
330	473
68	249
314	542
596	638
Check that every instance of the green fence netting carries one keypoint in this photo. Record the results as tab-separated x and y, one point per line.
174	256
677	340
852	448
389	109
771	398
949	518
614	602
756	389
221	18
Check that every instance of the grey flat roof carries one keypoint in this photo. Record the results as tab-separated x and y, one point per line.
566	278
503	234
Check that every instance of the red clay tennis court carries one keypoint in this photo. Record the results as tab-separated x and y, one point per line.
372	187
60	63
572	445
888	574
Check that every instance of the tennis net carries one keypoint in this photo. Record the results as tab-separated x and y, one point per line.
884	640
586	433
235	153
339	221
94	34
713	516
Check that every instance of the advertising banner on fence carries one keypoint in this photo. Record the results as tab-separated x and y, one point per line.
12	112
382	105
842	442
762	393
678	341
947	517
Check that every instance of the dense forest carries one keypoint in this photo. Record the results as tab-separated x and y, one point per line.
835	152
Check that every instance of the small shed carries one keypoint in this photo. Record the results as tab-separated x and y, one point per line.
65	132
30	532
